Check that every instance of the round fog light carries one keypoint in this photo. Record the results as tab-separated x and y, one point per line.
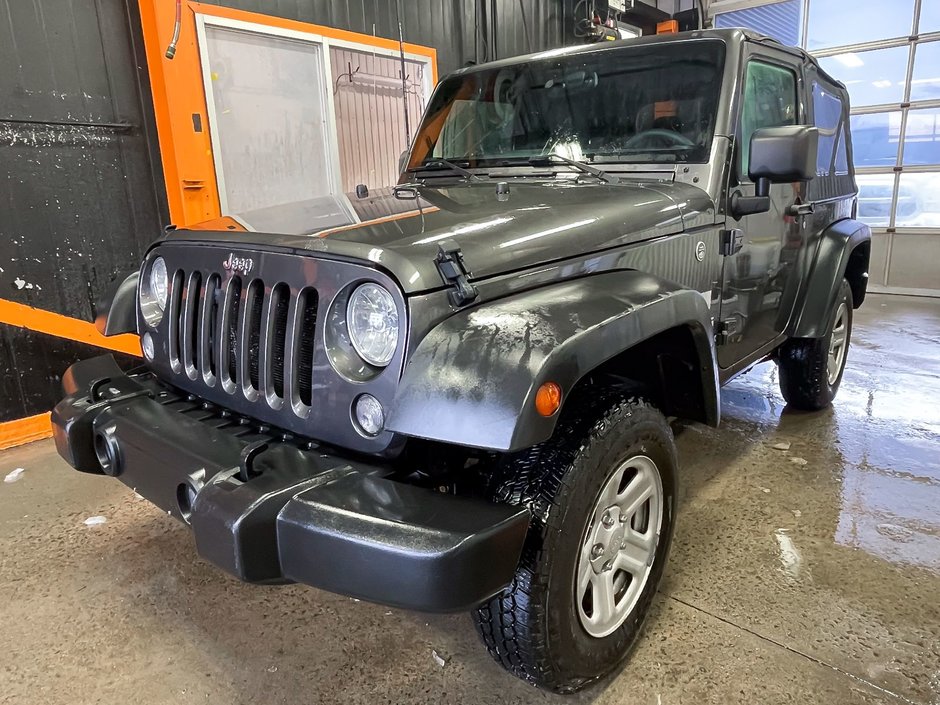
370	416
146	344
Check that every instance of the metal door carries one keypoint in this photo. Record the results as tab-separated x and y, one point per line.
760	280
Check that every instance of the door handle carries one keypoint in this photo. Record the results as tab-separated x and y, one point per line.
800	209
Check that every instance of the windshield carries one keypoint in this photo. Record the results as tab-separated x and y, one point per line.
645	103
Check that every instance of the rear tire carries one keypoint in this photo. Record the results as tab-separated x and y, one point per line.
585	540
811	368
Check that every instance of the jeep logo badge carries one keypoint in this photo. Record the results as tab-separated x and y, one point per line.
700	251
239	265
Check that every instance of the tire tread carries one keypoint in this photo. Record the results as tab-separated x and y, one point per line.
512	624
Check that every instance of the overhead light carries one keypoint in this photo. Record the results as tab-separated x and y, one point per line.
849	60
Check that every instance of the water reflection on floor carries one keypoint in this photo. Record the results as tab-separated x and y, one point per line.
882	436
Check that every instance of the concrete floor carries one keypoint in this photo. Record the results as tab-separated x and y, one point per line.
788	582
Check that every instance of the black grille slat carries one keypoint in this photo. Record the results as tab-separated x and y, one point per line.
189	327
280	306
249	338
207	329
174	321
228	334
254	340
304	340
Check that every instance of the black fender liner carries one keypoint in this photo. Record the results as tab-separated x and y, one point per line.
472	380
833	255
117	313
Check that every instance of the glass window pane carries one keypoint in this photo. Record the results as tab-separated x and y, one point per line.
827	112
918	201
929	16
925	83
875	196
665	110
922	137
273	142
872	77
782	20
875	139
836	23
769	101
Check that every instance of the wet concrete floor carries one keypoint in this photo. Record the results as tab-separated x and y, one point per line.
808	575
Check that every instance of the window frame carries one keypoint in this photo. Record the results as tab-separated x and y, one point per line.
782	61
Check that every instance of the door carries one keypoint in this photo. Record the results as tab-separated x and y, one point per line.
760	280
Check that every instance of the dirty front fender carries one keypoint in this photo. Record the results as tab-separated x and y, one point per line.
472	380
843	252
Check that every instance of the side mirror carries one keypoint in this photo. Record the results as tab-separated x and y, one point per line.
402	162
778	155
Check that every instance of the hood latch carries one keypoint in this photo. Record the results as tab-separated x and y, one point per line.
454	272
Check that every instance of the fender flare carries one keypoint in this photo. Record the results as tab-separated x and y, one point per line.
117	313
835	248
472	380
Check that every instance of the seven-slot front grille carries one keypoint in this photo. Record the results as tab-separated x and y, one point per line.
251	339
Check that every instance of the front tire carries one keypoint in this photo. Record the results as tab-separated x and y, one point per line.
811	368
602	494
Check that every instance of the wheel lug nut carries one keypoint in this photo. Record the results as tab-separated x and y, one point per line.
608	565
607	519
623	546
597	550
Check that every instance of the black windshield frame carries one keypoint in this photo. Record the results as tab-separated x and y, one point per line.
586	106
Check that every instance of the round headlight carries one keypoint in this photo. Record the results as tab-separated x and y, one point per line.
372	321
154	291
159	282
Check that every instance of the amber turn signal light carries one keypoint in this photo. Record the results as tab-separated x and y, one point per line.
548	399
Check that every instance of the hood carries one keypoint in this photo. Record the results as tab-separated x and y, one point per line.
537	222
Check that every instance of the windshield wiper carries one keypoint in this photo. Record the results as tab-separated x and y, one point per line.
580	166
465	173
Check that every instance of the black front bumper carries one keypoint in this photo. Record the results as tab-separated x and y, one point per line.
275	511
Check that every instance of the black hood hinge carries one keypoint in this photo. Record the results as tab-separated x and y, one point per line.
454	272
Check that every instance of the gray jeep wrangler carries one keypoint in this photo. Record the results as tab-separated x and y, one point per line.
455	394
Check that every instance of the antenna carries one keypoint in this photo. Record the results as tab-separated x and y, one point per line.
525	27
404	82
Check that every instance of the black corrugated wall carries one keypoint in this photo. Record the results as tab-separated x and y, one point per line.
81	190
78	188
460	30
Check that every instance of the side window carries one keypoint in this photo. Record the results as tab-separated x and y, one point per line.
828	112
769	101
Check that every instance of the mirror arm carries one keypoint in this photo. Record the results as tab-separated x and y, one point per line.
747	205
762	187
